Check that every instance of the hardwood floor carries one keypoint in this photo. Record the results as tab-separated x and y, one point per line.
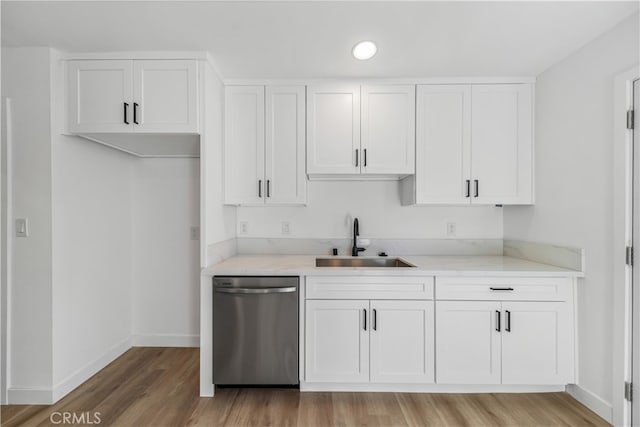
159	387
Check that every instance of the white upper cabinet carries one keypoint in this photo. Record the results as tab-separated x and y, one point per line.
264	145
166	94
501	149
388	129
474	145
336	116
126	96
333	129
284	150
244	145
100	96
443	144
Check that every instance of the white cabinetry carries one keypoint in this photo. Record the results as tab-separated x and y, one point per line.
474	145
401	342
503	341
129	96
467	343
337	341
333	129
368	340
356	131
264	145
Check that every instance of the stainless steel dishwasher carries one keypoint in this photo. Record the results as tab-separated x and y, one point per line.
255	330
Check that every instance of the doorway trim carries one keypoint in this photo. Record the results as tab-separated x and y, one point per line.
622	237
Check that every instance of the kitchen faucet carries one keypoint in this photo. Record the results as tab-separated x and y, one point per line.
356	232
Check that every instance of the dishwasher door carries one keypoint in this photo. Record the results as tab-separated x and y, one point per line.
255	331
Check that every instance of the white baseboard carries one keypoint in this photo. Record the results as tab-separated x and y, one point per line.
428	388
29	396
48	396
592	401
67	385
166	340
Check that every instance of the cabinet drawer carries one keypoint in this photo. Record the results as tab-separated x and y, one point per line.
503	288
387	287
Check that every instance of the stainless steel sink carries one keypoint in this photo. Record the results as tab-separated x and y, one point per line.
362	262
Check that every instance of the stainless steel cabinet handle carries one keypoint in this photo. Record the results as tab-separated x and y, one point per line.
477	187
468	193
259	188
356	157
497	321
501	289
375	319
365	158
365	318
283	290
507	327
268	188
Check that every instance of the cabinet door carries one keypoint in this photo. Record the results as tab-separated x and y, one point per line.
244	145
402	342
100	96
284	150
468	342
537	343
501	135
337	341
167	96
443	144
333	129
388	129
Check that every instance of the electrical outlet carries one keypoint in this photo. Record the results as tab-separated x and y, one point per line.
244	227
451	229
286	228
194	232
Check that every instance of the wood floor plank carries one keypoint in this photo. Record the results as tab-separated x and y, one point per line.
159	387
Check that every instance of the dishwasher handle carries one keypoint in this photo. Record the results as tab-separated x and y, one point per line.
280	290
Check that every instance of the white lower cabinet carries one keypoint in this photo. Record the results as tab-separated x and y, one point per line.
467	343
337	341
504	342
380	333
537	343
369	340
401	342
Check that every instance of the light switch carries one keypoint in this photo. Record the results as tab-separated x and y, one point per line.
22	227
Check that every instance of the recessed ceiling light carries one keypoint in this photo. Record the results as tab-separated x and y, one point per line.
364	50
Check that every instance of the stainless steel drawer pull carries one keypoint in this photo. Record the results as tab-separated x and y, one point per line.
501	289
283	290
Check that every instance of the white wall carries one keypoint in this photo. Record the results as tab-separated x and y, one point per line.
92	257
332	204
574	137
166	268
25	79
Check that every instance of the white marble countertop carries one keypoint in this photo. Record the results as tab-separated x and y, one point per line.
304	265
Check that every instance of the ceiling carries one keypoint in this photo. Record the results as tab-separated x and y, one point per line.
313	39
